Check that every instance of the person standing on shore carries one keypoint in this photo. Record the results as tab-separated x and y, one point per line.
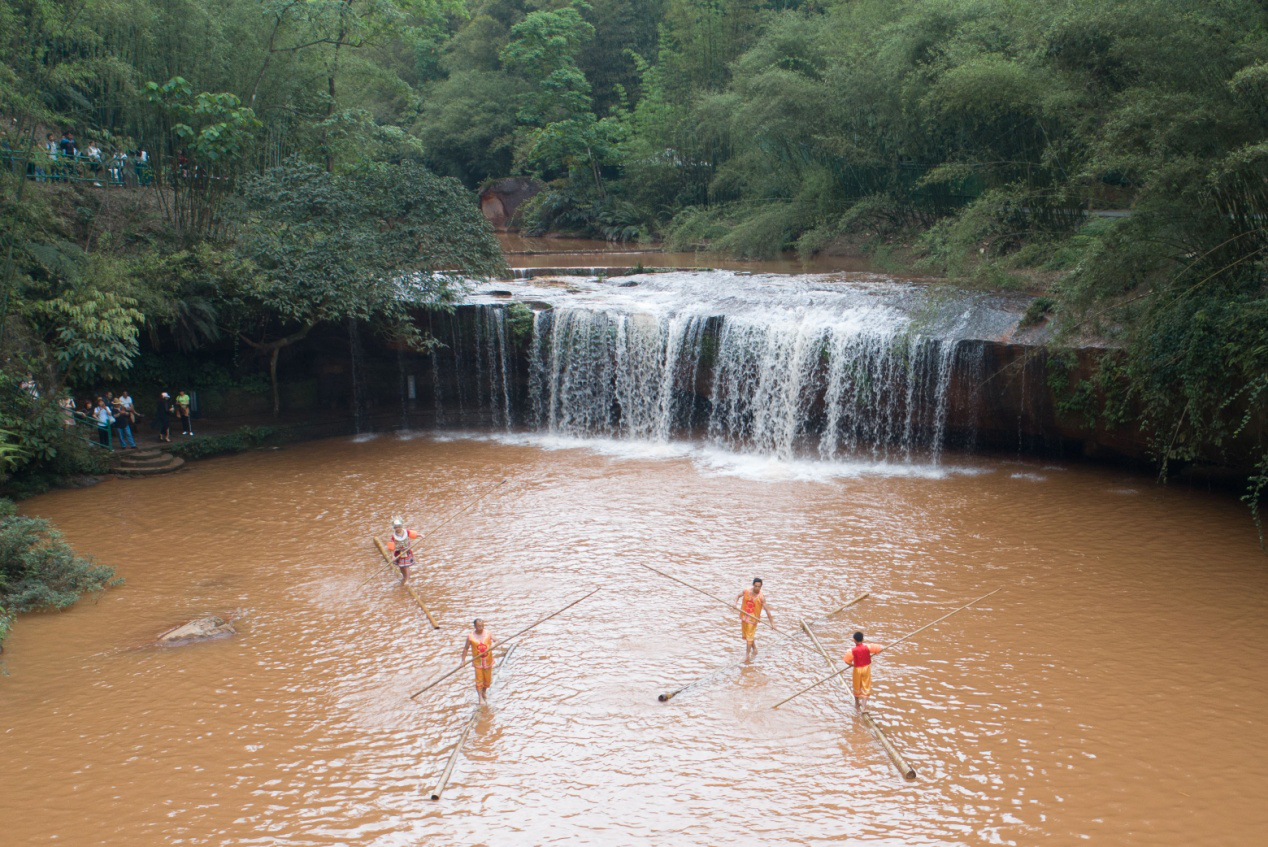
860	658
751	603
125	416
480	643
182	412
163	417
101	412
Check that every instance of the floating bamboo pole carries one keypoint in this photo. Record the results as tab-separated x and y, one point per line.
669	695
466	730
905	769
894	644
862	596
437	527
448	674
387	557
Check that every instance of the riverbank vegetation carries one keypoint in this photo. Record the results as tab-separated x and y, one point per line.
38	569
1110	155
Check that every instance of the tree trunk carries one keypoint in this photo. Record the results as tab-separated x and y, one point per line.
277	402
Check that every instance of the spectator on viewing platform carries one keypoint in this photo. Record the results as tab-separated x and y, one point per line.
183	401
142	165
125	416
104	420
68	410
50	145
67	146
94	161
163	417
116	167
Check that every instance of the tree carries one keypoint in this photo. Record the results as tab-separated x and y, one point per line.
368	245
213	133
561	134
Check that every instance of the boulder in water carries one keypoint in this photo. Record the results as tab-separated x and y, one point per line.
200	629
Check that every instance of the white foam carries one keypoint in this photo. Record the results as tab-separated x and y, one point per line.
719	462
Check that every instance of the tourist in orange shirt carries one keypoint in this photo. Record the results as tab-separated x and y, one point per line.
480	643
752	602
860	658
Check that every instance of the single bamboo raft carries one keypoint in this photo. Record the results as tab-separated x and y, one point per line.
466	730
905	769
387	557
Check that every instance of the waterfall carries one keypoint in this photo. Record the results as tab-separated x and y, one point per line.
356	367
780	366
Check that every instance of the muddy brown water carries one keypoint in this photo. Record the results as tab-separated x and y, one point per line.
524	252
1113	692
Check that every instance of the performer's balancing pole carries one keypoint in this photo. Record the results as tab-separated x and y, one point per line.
889	647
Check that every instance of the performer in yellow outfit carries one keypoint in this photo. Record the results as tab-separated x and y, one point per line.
480	643
751	603
860	658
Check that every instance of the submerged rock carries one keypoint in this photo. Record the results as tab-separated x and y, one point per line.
202	629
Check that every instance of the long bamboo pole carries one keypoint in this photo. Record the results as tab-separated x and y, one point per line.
888	647
448	674
438	526
713	597
669	695
905	769
466	730
388	558
836	612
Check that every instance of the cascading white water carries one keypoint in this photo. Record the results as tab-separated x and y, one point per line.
780	366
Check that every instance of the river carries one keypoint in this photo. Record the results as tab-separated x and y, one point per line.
524	252
1112	692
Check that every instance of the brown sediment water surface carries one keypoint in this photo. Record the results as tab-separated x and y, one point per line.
1113	692
524	252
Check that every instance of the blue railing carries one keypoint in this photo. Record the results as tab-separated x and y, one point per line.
104	171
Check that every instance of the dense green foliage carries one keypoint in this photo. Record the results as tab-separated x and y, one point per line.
285	187
1111	155
38	570
239	441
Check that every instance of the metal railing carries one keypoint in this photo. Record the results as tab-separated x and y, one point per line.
106	171
90	430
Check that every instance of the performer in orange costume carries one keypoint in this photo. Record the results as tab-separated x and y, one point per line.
751	603
480	643
860	658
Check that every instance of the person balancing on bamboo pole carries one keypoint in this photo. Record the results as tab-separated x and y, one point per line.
480	643
860	659
752	602
400	545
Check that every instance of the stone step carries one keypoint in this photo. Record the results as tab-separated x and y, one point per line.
143	452
175	464
132	460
